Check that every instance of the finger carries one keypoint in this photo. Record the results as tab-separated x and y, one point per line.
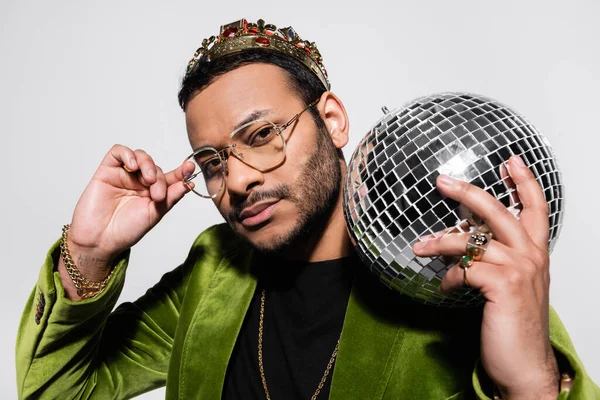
534	215
502	223
510	185
478	276
456	245
438	234
462	227
147	167
178	174
176	191
120	155
158	190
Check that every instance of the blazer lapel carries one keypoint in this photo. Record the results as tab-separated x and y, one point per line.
214	328
370	342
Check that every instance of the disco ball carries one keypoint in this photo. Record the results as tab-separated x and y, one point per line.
390	198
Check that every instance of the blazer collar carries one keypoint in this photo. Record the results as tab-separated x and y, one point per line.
214	327
368	342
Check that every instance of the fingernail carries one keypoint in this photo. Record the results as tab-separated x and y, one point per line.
189	186
519	162
418	246
425	238
187	175
132	164
446	180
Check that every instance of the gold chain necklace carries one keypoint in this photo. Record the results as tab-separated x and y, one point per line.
260	355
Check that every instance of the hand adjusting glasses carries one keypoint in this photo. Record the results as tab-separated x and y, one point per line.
259	144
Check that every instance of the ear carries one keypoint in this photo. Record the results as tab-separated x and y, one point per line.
335	117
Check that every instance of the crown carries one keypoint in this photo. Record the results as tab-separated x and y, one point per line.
242	35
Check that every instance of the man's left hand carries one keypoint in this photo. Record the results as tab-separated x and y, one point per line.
514	277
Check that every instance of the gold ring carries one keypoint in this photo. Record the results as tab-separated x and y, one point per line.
465	263
465	280
477	244
127	169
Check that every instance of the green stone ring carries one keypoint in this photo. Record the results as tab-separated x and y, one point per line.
466	262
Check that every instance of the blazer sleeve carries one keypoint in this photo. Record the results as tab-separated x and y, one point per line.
568	361
80	350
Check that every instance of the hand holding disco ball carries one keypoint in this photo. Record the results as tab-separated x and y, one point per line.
390	195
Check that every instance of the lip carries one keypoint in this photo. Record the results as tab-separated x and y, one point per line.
258	213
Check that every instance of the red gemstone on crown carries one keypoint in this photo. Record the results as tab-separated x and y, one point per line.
253	30
230	32
263	41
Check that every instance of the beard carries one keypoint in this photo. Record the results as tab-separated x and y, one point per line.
315	195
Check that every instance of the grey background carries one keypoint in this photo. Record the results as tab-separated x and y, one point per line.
77	77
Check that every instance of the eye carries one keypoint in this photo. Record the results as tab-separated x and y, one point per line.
211	167
262	136
263	133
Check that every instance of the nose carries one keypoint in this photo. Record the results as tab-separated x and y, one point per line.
241	178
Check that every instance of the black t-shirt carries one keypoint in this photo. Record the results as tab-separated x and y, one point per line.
305	305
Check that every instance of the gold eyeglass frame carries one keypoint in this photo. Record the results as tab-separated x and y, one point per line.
233	150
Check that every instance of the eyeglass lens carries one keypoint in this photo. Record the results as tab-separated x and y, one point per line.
257	144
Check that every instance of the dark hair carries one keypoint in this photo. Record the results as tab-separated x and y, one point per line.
306	84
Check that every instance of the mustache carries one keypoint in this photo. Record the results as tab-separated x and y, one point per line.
279	192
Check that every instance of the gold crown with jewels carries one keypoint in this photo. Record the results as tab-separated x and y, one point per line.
242	35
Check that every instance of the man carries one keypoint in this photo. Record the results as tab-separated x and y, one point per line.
274	303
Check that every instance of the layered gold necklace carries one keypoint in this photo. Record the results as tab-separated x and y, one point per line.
260	355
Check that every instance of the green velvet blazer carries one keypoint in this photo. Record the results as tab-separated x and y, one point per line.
182	331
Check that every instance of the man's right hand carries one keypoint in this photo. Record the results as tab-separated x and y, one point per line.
117	209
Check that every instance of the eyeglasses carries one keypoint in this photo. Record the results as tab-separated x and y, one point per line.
258	144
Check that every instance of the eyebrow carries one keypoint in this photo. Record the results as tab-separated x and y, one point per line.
253	116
